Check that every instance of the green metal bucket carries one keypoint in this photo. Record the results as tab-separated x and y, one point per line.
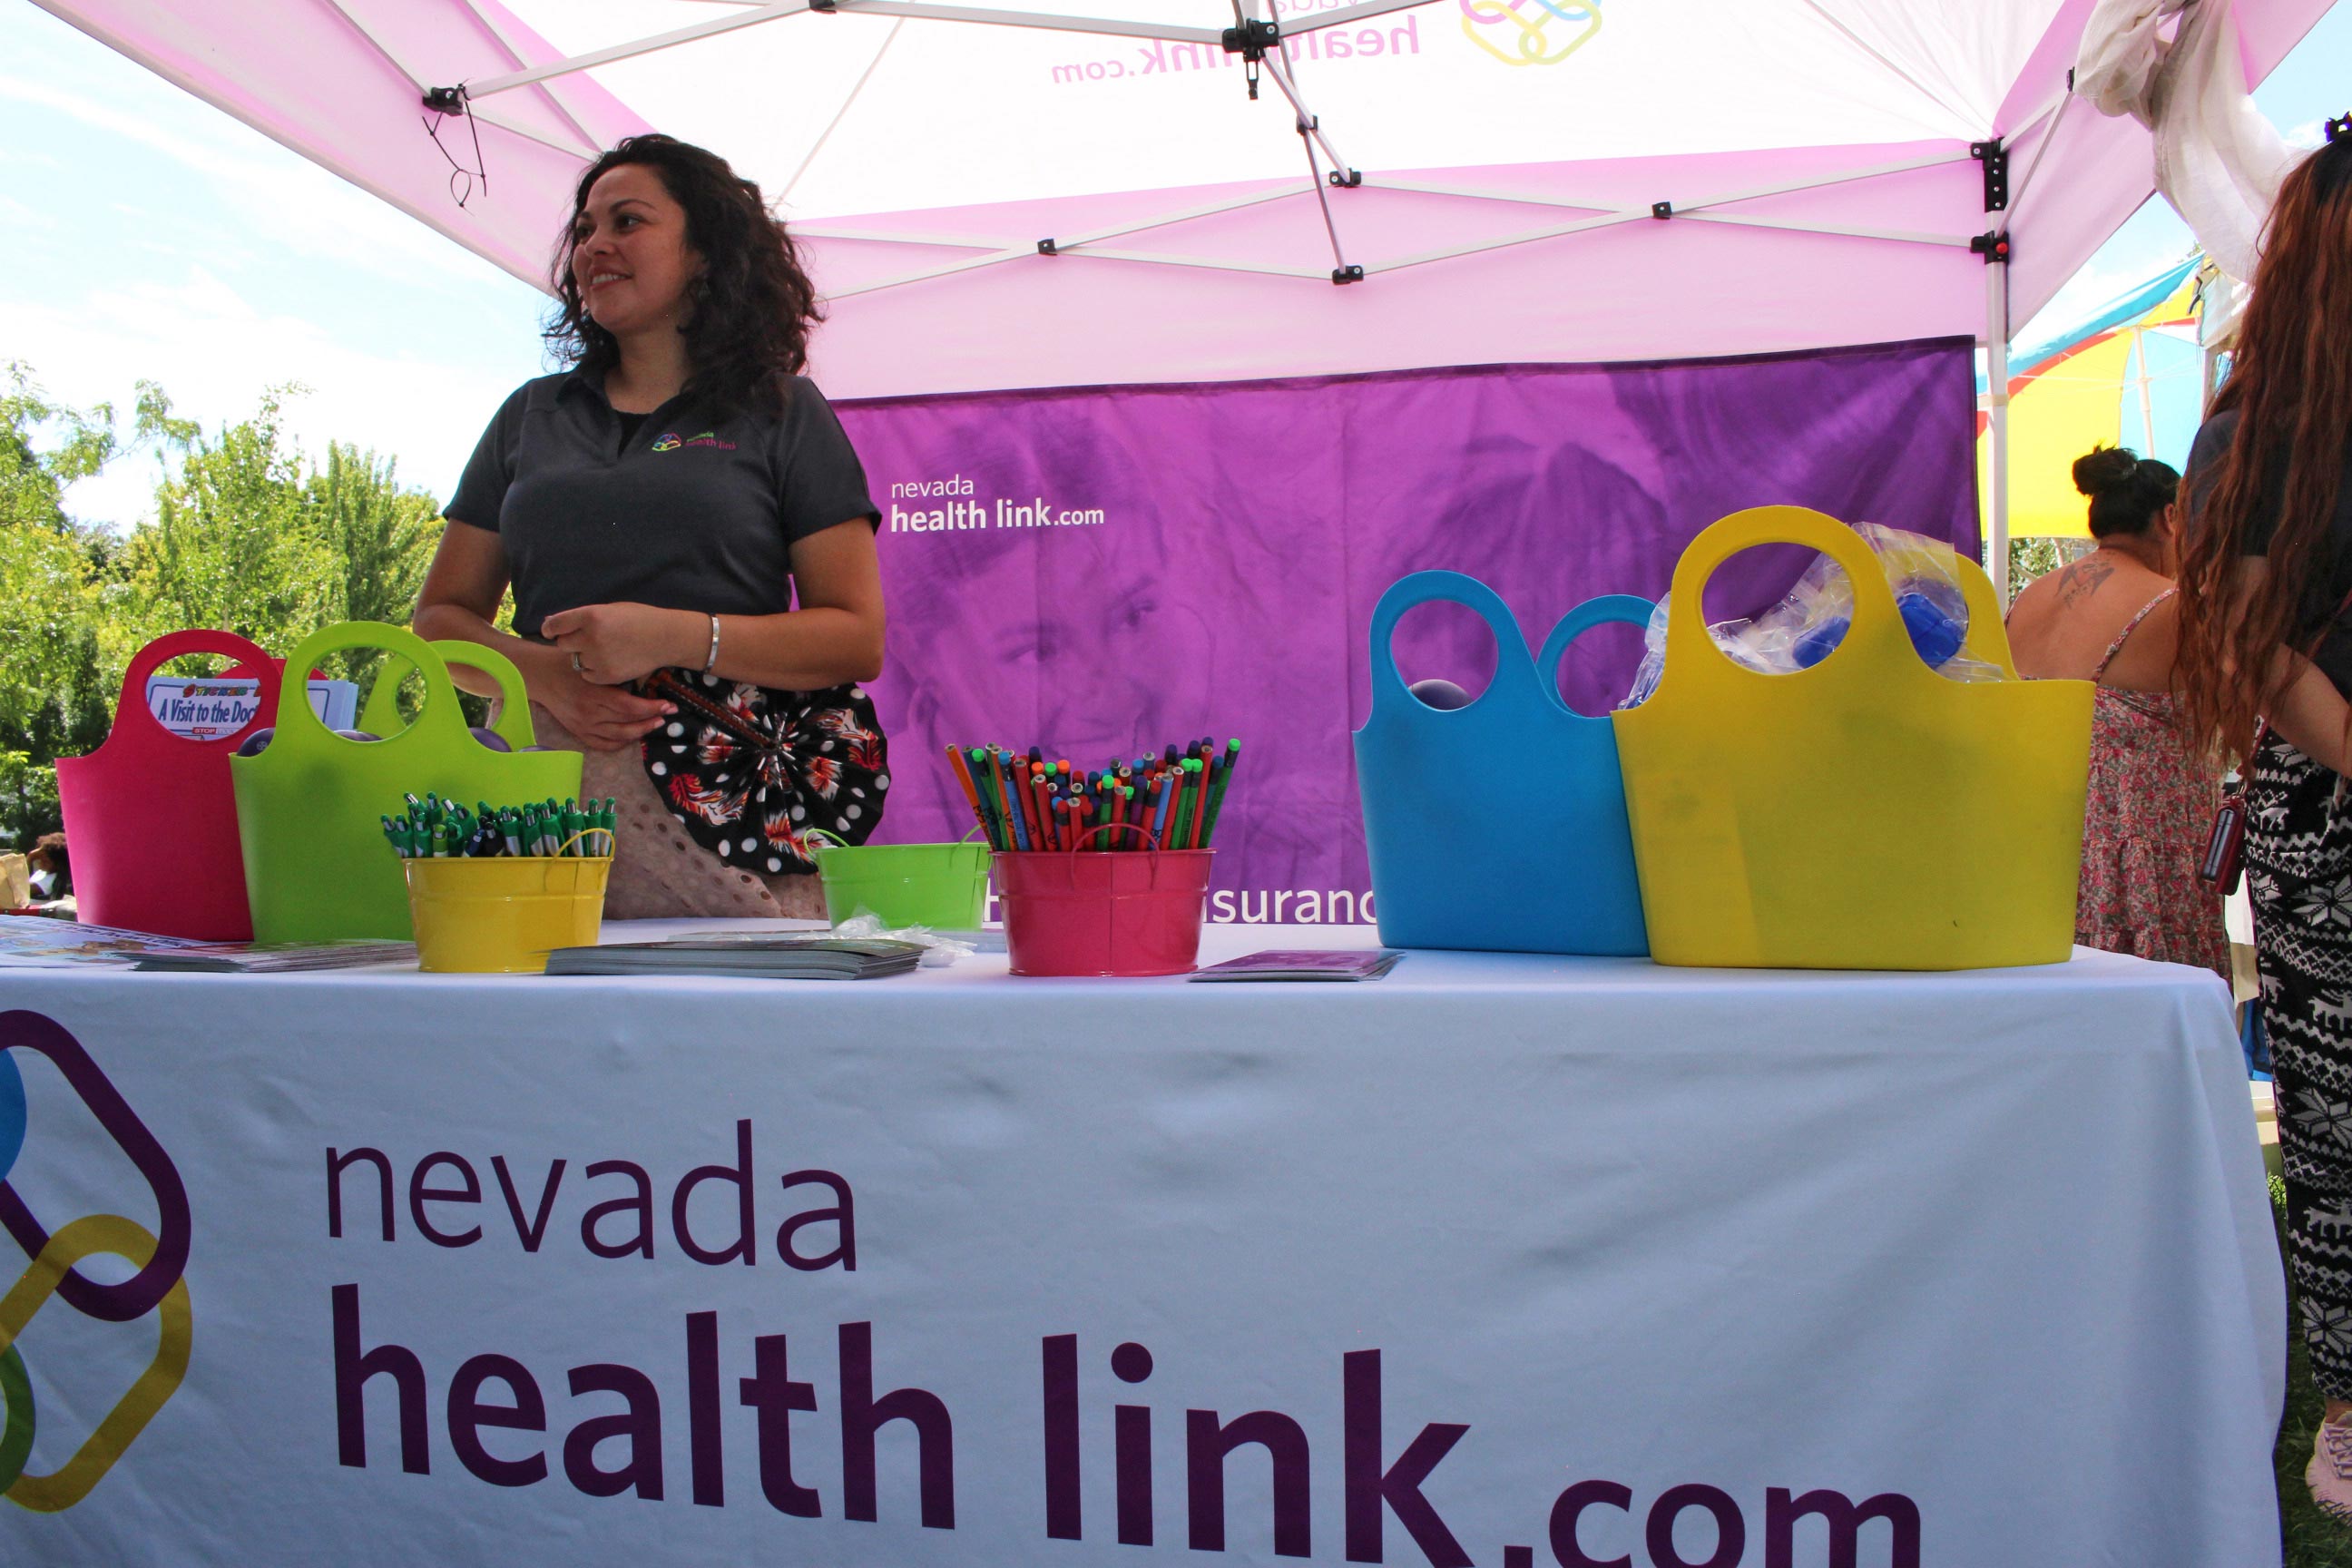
943	886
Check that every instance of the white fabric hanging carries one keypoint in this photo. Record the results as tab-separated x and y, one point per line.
2218	161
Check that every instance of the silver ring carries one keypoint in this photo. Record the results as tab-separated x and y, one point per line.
576	666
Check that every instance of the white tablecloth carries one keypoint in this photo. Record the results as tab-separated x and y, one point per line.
1674	1248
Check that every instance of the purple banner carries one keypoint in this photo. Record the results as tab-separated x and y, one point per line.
1105	569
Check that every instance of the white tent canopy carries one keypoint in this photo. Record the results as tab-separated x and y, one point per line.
885	107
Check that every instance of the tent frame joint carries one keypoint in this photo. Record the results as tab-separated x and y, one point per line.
1252	38
1662	210
1994	156
1994	246
1350	274
1346	179
1048	247
445	100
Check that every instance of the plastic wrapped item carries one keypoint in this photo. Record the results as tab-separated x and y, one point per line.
939	949
1806	626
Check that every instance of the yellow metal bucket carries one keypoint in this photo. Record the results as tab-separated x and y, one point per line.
503	915
1864	814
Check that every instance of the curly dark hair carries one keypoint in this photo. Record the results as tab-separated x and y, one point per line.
753	307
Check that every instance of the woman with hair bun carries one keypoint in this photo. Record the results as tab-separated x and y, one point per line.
690	542
2151	796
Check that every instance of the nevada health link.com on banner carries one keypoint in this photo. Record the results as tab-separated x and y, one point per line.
422	1301
1106	570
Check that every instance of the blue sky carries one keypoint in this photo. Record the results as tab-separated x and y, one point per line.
154	237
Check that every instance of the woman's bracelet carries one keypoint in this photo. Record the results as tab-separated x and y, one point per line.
710	660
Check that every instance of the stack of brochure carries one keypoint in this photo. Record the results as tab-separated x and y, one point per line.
31	942
268	957
1314	965
744	955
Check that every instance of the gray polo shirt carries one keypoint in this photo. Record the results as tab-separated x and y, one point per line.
692	511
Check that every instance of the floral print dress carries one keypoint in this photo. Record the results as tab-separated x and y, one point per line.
2144	825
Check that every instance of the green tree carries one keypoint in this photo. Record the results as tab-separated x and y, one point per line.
53	575
246	537
33	478
229	547
381	535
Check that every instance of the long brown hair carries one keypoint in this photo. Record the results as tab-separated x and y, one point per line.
2291	384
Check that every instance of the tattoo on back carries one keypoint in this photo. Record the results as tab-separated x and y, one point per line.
2082	579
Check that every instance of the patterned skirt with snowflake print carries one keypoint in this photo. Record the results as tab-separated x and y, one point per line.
2299	879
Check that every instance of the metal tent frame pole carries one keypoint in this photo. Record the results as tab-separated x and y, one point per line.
1996	394
2003	198
1598	216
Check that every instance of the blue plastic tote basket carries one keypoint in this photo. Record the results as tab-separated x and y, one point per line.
1502	825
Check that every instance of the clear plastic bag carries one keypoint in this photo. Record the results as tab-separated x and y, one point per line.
1810	622
940	950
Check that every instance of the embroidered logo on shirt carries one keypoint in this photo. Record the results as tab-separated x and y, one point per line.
670	441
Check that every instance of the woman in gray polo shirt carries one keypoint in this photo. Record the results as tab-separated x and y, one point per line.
658	508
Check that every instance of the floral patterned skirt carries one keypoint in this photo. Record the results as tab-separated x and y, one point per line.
2144	825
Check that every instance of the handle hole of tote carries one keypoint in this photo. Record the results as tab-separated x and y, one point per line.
1596	669
195	667
1751	584
193	679
1444	642
408	698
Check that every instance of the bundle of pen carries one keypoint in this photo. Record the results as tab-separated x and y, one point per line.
1026	803
435	829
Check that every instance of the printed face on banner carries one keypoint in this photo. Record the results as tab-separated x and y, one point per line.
55	1259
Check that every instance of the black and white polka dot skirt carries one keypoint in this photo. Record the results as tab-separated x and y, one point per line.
761	777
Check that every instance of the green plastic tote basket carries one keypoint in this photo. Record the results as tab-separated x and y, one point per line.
317	868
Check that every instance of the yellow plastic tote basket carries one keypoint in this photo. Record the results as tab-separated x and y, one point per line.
1864	814
309	808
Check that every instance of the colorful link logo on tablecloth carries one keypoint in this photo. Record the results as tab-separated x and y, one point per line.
57	1256
1517	32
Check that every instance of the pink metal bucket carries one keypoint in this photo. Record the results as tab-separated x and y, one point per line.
1076	911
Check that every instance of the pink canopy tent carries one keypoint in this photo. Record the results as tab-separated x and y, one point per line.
1685	179
1161	382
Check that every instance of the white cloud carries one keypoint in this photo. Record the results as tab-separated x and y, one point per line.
17	215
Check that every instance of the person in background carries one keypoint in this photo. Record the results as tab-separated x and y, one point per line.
690	542
2265	584
2152	795
51	871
